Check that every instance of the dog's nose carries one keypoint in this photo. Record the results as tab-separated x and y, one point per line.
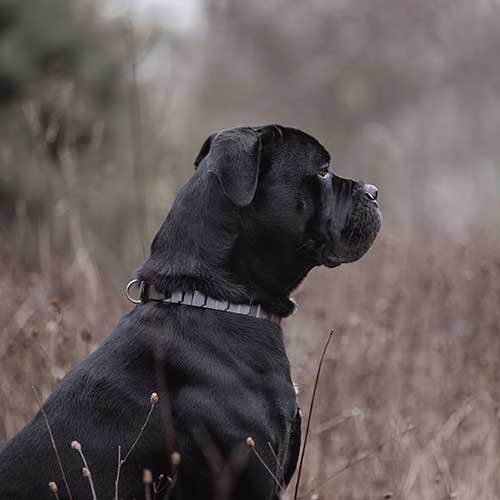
371	191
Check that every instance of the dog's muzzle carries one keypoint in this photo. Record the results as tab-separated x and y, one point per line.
350	219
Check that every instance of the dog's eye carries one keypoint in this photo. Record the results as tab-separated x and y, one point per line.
323	171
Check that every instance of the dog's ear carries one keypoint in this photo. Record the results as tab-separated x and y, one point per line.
205	148
233	155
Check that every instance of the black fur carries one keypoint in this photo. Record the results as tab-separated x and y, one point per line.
247	227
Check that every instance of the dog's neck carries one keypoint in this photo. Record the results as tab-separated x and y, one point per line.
201	246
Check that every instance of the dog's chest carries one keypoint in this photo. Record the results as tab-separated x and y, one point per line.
235	384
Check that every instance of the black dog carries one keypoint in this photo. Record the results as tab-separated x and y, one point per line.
261	210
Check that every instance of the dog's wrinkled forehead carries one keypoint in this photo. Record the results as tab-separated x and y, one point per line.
292	148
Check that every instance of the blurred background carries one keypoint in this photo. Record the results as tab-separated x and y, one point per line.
103	107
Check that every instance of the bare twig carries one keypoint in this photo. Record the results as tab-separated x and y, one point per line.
445	432
53	488
118	470
153	399
175	458
279	467
251	444
147	479
86	469
311	407
52	440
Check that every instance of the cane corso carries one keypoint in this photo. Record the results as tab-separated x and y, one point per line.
262	209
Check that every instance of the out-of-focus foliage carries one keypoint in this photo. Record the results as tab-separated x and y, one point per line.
60	57
55	42
67	101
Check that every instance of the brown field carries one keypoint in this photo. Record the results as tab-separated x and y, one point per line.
408	401
408	405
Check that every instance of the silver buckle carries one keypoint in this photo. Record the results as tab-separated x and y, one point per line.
141	290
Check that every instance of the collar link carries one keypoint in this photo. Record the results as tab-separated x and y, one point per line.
148	293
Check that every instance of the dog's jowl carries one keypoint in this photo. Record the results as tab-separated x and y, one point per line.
262	208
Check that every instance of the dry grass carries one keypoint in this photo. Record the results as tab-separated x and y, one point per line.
408	403
412	380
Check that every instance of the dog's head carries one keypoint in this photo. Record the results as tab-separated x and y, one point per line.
263	208
283	182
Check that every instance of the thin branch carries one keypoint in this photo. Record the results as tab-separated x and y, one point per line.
147	479
118	470
86	472
279	467
311	407
53	489
251	444
175	458
153	399
54	447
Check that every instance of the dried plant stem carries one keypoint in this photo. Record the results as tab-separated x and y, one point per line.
86	469
352	463
144	425
279	467
153	400
175	458
311	407
53	489
349	464
147	479
118	470
54	447
251	444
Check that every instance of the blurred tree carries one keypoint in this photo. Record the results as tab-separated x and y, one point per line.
65	60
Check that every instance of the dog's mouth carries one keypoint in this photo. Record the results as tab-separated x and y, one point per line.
351	240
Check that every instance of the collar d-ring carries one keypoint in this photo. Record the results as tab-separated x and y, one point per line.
141	289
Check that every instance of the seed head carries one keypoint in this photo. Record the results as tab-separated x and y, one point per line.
250	442
176	458
53	487
153	398
147	476
85	472
76	445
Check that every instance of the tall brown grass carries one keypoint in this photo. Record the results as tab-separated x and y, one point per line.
408	404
